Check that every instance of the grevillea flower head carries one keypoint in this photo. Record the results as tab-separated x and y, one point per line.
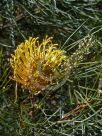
37	66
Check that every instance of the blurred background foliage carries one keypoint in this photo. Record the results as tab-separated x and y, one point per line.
75	109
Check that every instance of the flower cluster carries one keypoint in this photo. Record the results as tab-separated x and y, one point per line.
38	65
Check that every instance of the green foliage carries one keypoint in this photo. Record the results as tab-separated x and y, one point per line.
74	108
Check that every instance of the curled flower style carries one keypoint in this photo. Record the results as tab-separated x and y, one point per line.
38	66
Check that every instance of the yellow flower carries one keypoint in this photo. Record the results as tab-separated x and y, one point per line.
38	66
